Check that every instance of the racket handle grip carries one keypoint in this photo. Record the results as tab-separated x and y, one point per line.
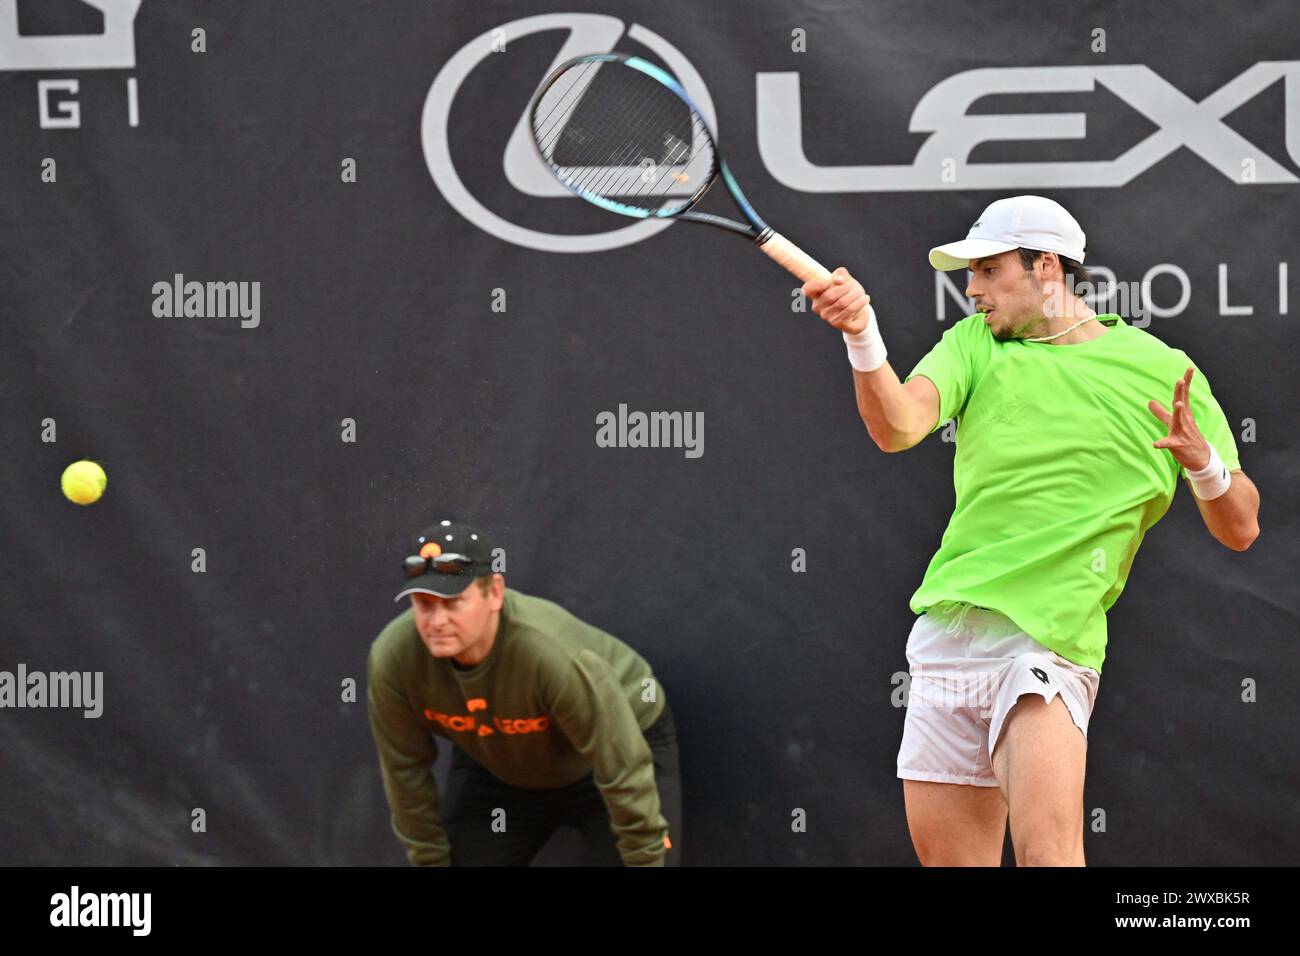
790	257
786	254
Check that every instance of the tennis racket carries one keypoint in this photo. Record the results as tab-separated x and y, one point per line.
622	133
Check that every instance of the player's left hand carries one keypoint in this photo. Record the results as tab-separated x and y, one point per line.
1184	440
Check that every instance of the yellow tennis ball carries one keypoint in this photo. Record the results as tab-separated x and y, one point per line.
83	482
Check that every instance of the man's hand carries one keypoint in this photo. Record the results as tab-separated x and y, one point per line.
838	300
1184	440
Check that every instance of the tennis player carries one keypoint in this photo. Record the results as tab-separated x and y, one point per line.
554	722
1064	460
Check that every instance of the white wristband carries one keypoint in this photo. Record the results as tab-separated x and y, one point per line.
1212	480
866	348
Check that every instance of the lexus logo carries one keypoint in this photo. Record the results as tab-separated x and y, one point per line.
944	113
941	162
588	33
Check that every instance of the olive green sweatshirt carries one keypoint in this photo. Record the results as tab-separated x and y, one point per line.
555	700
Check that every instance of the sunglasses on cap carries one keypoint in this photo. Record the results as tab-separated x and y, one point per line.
415	565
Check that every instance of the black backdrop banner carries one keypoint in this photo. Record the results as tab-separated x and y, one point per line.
402	318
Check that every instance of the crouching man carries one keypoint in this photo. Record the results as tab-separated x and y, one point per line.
554	721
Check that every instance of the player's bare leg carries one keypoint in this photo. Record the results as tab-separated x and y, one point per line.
1039	760
955	824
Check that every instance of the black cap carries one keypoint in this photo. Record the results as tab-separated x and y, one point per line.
446	538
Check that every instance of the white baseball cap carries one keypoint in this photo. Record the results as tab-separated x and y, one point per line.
1020	222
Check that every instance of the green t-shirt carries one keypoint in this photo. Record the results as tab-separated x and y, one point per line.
555	700
1055	475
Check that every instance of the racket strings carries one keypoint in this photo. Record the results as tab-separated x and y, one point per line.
663	112
682	177
632	180
574	84
607	111
596	112
623	136
575	93
612	119
571	130
670	108
634	121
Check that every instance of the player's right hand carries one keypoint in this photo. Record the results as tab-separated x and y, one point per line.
838	300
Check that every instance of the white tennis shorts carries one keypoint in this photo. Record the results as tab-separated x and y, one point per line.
969	665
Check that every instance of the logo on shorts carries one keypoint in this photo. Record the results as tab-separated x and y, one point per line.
1038	672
